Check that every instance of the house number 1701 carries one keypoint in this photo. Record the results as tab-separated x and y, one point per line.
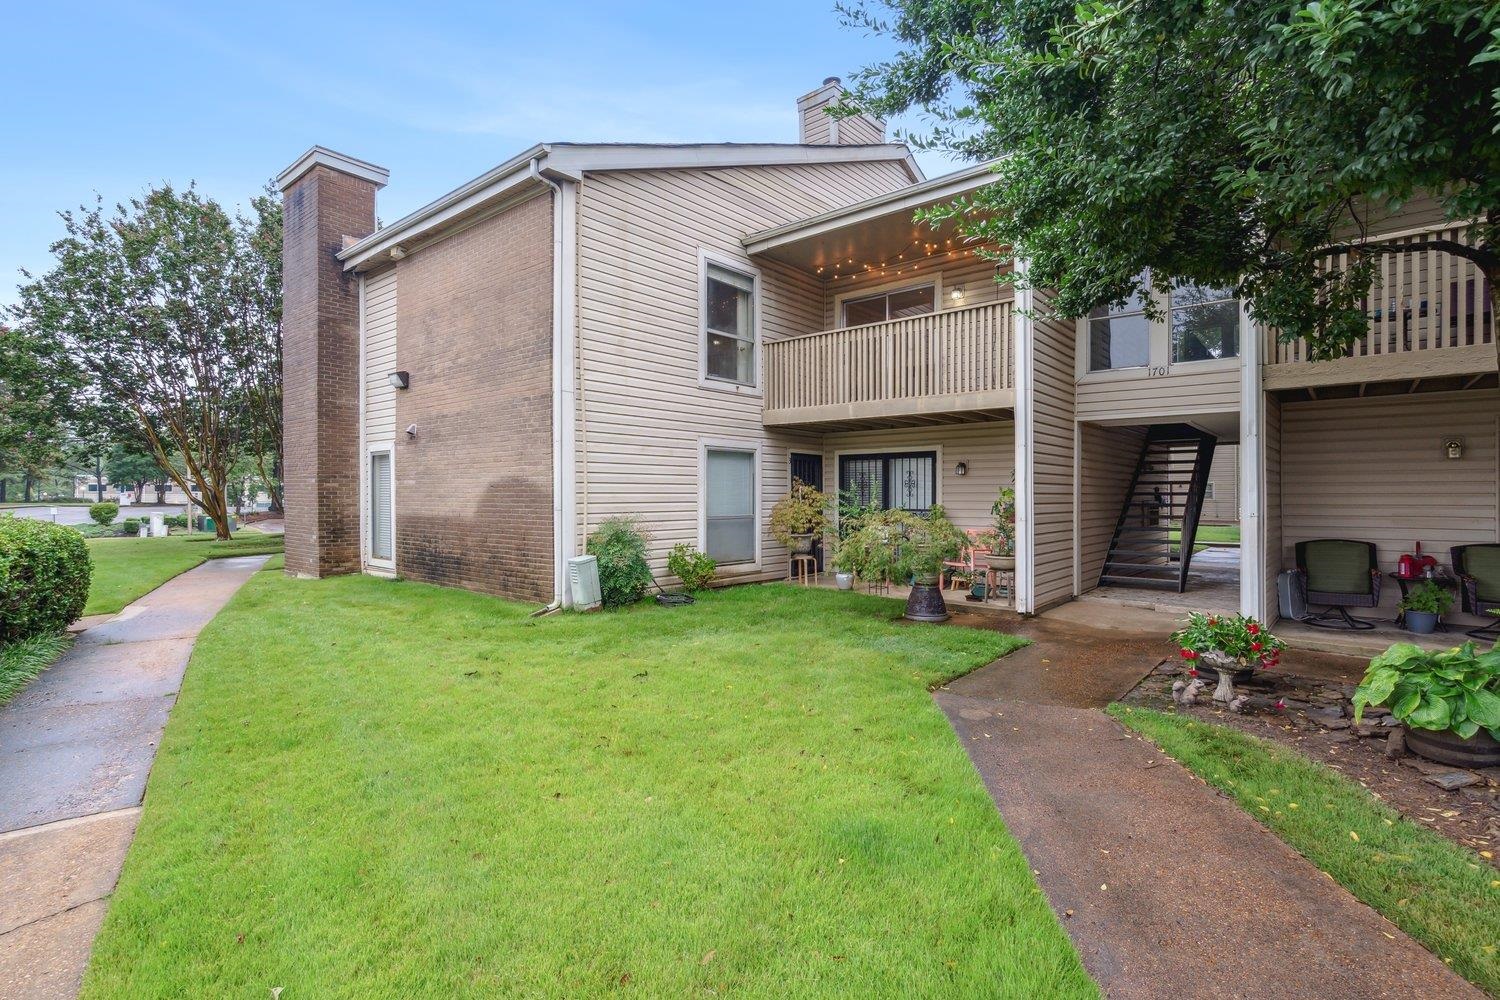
1155	370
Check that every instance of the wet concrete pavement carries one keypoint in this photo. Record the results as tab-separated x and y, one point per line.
1166	887
76	747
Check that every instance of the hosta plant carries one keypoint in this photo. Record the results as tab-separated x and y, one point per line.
1440	690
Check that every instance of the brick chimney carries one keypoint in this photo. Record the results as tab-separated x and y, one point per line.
326	196
818	128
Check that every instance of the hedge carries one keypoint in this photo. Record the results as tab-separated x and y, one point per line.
44	577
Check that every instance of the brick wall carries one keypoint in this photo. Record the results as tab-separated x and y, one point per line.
320	371
474	329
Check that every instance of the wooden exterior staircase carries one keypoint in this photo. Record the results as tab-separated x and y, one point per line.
1165	497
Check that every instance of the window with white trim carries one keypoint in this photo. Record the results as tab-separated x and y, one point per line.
729	325
1205	323
729	517
918	300
1119	336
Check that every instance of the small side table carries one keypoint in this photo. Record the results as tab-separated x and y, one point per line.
994	579
1406	583
805	569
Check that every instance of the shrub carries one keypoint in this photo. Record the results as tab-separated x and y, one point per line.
176	521
897	545
1457	689
803	511
1427	597
132	525
44	578
695	569
620	546
104	512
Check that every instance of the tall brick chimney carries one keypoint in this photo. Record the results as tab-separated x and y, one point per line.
325	197
818	128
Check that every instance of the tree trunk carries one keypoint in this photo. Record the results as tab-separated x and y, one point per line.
98	478
27	488
3	484
1492	275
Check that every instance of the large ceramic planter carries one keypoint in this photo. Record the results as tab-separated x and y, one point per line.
1447	747
1421	622
844	581
1004	563
801	545
925	602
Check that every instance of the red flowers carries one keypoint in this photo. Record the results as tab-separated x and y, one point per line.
1192	671
1255	645
1252	628
1188	654
1280	705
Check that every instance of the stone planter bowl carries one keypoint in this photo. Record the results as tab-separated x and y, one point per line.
801	545
1447	747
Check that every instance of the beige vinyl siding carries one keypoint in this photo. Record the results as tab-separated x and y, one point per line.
1052	459
988	450
380	356
1188	389
1374	469
860	130
1224	477
974	274
641	413
1271	488
1107	461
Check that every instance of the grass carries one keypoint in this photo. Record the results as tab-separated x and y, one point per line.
375	788
21	662
1438	892
128	568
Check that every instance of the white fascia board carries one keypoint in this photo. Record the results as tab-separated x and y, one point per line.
344	164
569	161
943	188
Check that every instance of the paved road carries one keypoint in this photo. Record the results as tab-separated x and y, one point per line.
76	748
79	513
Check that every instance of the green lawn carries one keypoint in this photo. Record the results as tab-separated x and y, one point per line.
374	788
1438	892
127	568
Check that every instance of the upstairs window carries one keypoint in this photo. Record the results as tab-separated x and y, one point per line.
1205	323
896	304
729	326
1119	336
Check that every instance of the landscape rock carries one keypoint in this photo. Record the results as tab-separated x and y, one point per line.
1451	781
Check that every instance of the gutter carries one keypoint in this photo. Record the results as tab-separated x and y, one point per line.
564	485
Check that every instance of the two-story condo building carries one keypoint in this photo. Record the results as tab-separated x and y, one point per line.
676	331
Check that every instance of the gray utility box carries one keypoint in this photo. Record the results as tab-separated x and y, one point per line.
583	582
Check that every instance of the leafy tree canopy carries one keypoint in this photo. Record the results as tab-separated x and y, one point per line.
1224	143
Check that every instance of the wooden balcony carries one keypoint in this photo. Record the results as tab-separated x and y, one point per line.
950	366
1429	318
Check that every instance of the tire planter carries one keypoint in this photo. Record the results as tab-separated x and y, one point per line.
925	602
1447	747
1421	622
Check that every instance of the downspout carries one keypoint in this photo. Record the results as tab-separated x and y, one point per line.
563	485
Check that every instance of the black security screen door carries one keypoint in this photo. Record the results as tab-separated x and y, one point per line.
893	480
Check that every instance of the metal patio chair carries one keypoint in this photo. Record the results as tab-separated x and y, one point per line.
1341	573
1478	570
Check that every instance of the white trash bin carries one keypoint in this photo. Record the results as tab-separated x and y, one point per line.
158	526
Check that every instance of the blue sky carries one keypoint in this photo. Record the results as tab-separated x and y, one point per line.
110	98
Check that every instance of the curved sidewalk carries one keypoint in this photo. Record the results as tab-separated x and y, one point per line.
1166	887
76	747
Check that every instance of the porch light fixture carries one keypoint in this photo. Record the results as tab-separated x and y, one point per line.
1454	448
957	295
399	380
961	469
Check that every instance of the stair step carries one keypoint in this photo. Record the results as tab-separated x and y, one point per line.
1138	581
1162	567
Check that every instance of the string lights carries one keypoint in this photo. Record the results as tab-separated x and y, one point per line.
909	258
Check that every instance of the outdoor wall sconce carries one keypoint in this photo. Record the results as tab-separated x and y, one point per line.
1454	448
411	431
957	295
961	469
399	380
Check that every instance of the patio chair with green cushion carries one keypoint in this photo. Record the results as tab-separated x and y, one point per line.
1342	574
1478	571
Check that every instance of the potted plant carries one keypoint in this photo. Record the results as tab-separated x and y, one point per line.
844	567
1424	605
1226	647
1001	537
800	517
1448	700
900	545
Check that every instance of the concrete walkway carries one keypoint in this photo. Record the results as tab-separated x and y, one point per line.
1166	887
76	747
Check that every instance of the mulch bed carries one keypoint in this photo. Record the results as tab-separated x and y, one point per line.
1317	722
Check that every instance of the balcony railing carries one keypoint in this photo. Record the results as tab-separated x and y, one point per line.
951	361
1429	314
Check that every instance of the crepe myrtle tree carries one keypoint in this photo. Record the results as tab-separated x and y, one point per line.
1233	144
155	304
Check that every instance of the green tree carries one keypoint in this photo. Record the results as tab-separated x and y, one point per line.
132	465
1226	143
155	304
33	423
